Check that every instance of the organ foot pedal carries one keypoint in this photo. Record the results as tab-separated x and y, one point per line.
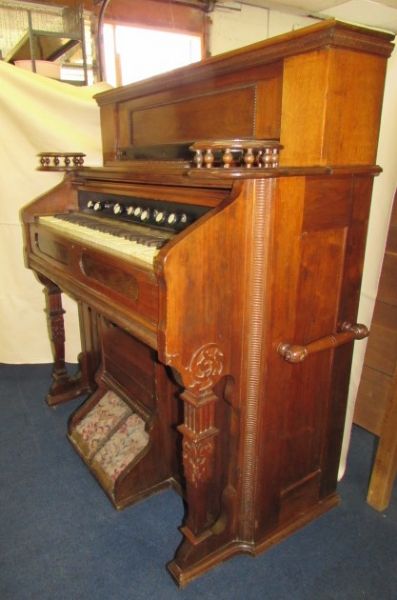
125	431
110	438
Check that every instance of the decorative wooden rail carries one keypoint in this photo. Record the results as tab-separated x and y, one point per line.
236	153
349	332
60	161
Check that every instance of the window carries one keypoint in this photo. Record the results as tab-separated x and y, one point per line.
135	53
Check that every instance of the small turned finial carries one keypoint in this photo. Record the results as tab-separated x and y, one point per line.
249	158
227	158
209	158
198	159
236	153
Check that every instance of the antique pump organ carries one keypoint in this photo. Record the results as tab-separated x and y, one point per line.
216	260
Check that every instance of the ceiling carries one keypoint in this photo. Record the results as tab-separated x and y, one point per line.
380	14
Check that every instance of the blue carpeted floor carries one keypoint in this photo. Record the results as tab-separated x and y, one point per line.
60	538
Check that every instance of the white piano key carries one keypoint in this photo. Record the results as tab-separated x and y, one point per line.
100	239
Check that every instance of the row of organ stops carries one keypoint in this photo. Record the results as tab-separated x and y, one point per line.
143	214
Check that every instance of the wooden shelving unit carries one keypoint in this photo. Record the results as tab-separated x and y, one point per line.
376	404
36	44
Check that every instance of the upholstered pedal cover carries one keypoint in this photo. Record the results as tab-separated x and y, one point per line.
121	449
93	431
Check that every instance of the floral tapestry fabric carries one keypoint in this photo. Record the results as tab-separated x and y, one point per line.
110	437
122	447
96	427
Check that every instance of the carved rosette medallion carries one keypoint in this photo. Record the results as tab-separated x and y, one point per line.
205	367
197	461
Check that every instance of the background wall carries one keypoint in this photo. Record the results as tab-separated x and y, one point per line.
36	114
233	28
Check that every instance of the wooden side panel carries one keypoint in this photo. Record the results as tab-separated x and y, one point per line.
348	307
354	100
268	109
201	272
61	198
331	112
312	221
109	131
303	108
322	256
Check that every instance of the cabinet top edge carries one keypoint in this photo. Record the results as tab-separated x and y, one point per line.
326	34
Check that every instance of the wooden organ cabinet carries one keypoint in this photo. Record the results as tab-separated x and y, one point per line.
216	260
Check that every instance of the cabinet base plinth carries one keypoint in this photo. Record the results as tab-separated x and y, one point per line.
193	568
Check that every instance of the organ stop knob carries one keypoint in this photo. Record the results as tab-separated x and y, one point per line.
118	209
172	218
145	215
160	216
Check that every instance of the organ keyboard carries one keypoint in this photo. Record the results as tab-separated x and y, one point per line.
240	313
133	241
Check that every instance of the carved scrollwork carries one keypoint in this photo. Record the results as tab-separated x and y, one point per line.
57	327
197	461
205	367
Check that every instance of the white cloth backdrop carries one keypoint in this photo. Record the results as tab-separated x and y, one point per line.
38	114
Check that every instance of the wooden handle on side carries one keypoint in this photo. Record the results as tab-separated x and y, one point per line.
349	332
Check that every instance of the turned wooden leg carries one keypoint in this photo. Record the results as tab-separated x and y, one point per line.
55	312
63	387
90	344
